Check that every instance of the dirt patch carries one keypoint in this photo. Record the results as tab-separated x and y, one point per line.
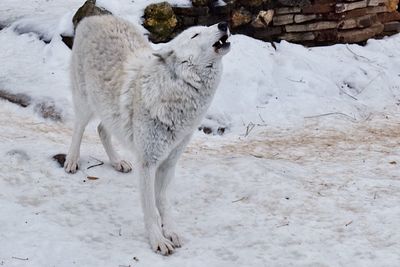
311	143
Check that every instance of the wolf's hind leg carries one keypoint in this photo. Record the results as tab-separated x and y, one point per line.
82	117
116	162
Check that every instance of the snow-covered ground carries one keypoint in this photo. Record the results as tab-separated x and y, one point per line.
306	174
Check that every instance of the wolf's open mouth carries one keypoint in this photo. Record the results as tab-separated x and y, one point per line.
222	43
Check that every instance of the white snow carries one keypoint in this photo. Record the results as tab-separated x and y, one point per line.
306	174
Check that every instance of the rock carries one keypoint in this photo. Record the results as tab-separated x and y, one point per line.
303	18
60	158
48	110
388	17
376	2
298	37
160	20
318	9
221	9
360	22
240	17
201	2
393	26
251	3
361	35
298	3
19	99
326	36
343	7
68	40
287	10
392	5
88	9
190	11
283	19
316	26
263	19
160	11
267	34
376	9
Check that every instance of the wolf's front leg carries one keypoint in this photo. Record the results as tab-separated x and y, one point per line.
165	173
152	219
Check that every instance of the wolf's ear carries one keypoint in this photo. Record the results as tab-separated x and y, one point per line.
163	55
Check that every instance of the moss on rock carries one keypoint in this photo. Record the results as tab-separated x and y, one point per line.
160	21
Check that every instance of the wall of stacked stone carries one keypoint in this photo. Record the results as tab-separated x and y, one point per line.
309	22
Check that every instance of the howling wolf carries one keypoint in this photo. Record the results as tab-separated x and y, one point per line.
151	100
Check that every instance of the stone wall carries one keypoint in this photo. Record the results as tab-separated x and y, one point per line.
309	22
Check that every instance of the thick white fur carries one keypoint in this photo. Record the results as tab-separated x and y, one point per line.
150	100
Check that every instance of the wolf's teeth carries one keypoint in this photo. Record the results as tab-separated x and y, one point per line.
220	42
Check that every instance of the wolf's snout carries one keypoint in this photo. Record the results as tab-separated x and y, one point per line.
223	26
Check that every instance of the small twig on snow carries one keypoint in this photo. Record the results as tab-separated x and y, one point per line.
261	118
369	83
347	224
331	113
240	199
295	81
22	259
344	92
249	128
357	55
281	225
96	165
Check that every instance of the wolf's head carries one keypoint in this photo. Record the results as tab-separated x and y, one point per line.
195	50
199	44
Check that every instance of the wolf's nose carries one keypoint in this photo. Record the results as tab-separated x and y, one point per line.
223	26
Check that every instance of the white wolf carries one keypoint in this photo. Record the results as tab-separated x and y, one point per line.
150	100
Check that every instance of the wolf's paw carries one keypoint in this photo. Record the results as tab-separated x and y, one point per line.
71	165
160	244
171	235
122	166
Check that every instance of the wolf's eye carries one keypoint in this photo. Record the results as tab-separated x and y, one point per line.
194	36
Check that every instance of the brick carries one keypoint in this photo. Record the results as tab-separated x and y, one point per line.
316	26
